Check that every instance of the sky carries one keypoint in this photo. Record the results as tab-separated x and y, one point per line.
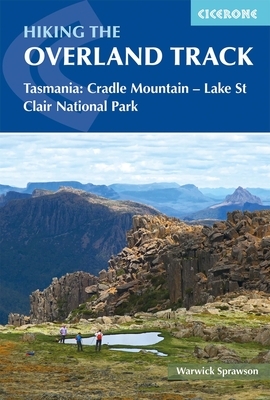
205	160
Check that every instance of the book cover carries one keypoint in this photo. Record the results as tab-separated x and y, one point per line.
134	199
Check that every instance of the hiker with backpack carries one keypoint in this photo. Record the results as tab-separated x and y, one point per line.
99	336
79	341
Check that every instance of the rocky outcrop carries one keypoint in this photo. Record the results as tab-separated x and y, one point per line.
168	263
217	353
193	263
18	319
223	333
61	297
262	357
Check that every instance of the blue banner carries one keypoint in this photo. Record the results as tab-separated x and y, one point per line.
132	66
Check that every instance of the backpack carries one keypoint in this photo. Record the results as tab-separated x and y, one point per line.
99	336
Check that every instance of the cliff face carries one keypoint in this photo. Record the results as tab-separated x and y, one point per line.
186	265
55	233
60	298
169	263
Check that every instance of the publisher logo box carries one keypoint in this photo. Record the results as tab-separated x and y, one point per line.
230	12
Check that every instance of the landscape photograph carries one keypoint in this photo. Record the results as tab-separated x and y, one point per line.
160	241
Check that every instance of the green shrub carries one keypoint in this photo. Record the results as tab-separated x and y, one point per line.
120	271
142	302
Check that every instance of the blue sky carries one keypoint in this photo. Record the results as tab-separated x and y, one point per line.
205	160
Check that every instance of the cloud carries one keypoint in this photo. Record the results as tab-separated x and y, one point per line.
227	160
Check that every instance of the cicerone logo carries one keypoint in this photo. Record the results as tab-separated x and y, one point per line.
224	13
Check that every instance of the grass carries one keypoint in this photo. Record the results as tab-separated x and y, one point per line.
240	319
58	368
48	349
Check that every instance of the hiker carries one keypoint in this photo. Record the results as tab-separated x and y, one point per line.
63	333
98	335
79	341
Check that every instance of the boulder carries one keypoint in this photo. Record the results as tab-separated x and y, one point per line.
262	357
263	336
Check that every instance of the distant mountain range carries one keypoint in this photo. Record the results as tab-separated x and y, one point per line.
50	234
100	190
169	198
